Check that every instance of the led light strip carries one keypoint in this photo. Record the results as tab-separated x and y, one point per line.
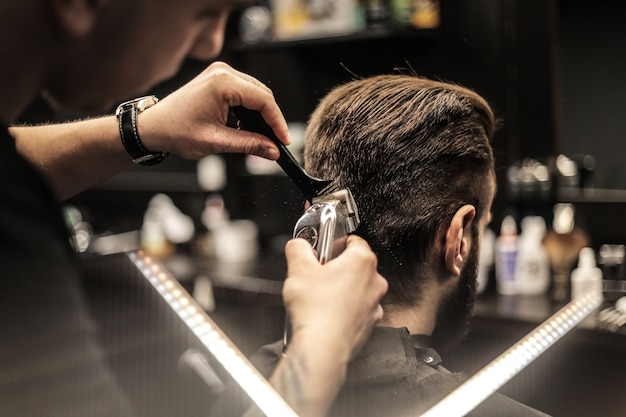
205	329
489	379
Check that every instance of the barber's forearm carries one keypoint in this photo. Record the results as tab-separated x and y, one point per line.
309	377
74	156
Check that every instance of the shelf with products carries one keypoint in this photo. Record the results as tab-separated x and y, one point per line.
381	33
273	24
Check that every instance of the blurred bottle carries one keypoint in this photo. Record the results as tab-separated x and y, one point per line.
529	180
506	257
563	244
567	172
255	24
212	217
587	277
425	14
611	261
586	168
377	12
81	232
164	226
532	268
401	11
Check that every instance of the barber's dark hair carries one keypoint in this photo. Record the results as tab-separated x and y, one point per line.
412	151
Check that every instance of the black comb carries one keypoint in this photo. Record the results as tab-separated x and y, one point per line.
311	187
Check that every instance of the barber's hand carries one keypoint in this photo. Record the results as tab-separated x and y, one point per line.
337	301
191	122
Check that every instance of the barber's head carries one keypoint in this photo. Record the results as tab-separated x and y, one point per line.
416	154
119	48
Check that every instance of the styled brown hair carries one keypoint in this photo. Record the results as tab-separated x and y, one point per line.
412	151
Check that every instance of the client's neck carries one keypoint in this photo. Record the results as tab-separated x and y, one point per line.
419	318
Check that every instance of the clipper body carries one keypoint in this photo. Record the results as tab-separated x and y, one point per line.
327	223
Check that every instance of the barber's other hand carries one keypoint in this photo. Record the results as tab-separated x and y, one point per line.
191	122
337	302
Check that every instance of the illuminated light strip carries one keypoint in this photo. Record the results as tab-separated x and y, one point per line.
489	379
209	333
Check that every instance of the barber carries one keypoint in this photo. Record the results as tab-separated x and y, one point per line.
90	54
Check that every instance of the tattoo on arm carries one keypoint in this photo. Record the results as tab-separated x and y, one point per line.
289	382
291	378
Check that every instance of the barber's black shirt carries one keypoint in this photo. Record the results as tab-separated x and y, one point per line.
50	362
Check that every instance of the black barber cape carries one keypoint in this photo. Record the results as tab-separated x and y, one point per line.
50	362
394	375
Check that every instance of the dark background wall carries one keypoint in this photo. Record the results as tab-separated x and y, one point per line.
593	63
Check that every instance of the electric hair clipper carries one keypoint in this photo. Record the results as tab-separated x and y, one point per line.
332	215
327	223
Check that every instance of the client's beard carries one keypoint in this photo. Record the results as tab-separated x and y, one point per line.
456	310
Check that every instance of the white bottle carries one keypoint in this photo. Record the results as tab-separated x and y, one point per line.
506	256
532	268
587	277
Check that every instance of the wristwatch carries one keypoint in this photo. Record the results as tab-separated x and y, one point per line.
127	117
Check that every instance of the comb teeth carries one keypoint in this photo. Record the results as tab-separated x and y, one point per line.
328	189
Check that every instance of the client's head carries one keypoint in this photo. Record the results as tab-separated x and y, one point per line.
416	155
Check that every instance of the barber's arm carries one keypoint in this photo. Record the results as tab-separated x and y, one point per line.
332	308
190	122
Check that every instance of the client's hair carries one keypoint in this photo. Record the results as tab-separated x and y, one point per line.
412	151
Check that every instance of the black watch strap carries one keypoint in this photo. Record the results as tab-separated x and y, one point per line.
127	118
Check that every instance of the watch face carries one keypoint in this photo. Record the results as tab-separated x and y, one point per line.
140	104
146	102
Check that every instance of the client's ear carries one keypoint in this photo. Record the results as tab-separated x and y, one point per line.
75	17
458	238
